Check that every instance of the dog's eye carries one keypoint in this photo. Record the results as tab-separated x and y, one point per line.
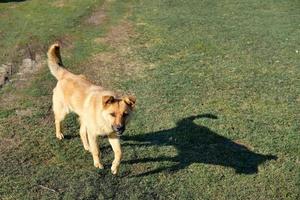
113	114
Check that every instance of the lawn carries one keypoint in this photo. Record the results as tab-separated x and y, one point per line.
217	87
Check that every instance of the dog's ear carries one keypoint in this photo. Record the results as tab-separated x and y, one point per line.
130	100
106	100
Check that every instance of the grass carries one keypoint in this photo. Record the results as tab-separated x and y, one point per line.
218	93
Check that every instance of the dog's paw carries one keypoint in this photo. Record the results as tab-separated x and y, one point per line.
98	165
115	169
60	136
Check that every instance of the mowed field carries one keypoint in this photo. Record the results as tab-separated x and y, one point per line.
218	94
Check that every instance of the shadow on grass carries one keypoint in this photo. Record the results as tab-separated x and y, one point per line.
197	144
70	137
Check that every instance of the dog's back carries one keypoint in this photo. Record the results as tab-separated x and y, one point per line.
71	90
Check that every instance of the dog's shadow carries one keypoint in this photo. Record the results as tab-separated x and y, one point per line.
197	144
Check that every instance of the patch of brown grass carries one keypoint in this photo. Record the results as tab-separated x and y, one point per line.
97	18
105	67
8	143
118	63
59	3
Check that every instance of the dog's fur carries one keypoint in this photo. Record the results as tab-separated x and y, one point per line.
101	112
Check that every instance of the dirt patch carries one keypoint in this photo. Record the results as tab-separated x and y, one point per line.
98	17
242	143
59	4
5	73
24	112
118	63
26	69
27	66
32	65
27	59
8	143
104	68
119	35
21	56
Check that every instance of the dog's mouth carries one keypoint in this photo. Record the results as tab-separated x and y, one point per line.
119	131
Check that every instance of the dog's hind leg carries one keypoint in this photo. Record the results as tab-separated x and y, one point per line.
59	115
83	136
60	111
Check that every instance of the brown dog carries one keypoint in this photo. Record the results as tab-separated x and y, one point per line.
101	112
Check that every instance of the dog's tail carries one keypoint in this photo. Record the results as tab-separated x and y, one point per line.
54	61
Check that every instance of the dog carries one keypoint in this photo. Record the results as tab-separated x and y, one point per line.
101	112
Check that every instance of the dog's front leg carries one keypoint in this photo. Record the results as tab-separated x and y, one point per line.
94	149
115	143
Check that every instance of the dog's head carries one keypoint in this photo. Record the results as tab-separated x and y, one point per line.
117	111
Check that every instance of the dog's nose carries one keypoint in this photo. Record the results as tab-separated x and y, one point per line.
119	128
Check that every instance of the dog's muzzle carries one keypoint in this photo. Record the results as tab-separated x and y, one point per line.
118	129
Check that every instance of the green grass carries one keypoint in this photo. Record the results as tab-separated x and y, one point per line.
217	89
